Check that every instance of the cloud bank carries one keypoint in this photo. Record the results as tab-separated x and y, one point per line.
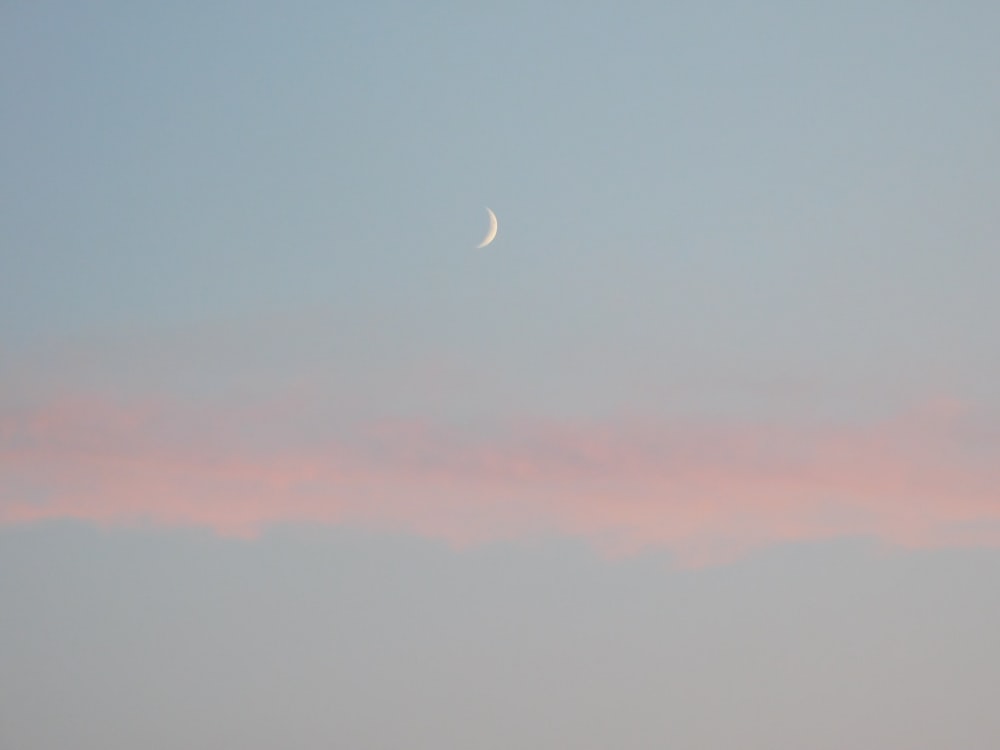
707	491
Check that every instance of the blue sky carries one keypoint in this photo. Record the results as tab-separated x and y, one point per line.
771	192
738	323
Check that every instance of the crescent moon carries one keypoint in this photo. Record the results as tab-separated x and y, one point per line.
492	233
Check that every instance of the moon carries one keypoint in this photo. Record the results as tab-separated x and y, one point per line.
492	233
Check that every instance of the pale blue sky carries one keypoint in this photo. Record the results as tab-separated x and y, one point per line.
771	191
741	310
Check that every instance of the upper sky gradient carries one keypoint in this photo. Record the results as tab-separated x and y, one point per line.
742	305
750	248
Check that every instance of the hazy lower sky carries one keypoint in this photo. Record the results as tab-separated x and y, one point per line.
702	451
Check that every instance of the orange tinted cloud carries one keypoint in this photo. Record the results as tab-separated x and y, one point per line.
705	490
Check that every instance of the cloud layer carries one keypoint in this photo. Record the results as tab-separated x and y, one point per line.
705	490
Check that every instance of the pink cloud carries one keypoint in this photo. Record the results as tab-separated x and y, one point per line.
705	490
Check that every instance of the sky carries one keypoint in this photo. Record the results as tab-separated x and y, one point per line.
703	450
